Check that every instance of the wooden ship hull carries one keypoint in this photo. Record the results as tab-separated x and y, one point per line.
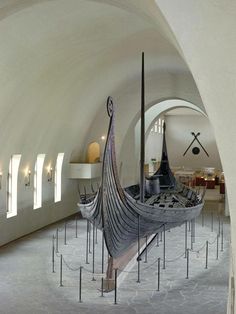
128	215
122	216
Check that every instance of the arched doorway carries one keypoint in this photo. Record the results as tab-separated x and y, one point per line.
93	153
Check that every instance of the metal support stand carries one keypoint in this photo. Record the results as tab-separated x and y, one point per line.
53	255
76	226
186	239
145	261
103	240
219	225
212	221
93	279
65	235
187	273
90	237
222	237
61	271
157	239
158	273
164	247
217	247
57	241
87	243
115	297
161	237
102	287
138	280
80	284
189	226
96	235
207	244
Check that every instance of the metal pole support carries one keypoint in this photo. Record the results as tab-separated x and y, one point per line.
80	284
138	280
61	271
115	296
76	226
186	238
158	273
202	218
164	247
102	287
103	240
207	248
87	243
187	272
65	235
53	254
157	239
57	241
217	247
93	279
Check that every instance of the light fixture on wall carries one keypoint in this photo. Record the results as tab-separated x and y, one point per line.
27	177
103	137
0	180
49	173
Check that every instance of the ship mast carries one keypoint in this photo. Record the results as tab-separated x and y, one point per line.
142	136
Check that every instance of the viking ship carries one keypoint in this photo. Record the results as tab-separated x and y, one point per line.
126	215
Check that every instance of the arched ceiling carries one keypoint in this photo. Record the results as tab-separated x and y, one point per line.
60	59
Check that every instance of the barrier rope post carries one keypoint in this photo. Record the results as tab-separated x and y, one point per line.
115	296
219	225
103	251
217	247
158	273
87	243
202	218
57	241
138	280
80	284
212	221
53	254
157	239
102	287
206	255
222	237
65	234
186	238
189	226
145	261
187	253
164	246
76	226
61	270
93	279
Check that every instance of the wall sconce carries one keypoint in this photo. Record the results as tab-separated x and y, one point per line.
103	137
49	174
0	180
27	178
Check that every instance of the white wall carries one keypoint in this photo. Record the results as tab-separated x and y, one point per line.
178	138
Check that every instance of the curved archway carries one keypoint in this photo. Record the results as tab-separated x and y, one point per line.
93	152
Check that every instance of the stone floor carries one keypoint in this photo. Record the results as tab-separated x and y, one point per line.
28	285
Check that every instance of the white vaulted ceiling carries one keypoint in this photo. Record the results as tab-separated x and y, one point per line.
59	61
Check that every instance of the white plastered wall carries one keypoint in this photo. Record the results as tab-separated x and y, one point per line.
205	31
